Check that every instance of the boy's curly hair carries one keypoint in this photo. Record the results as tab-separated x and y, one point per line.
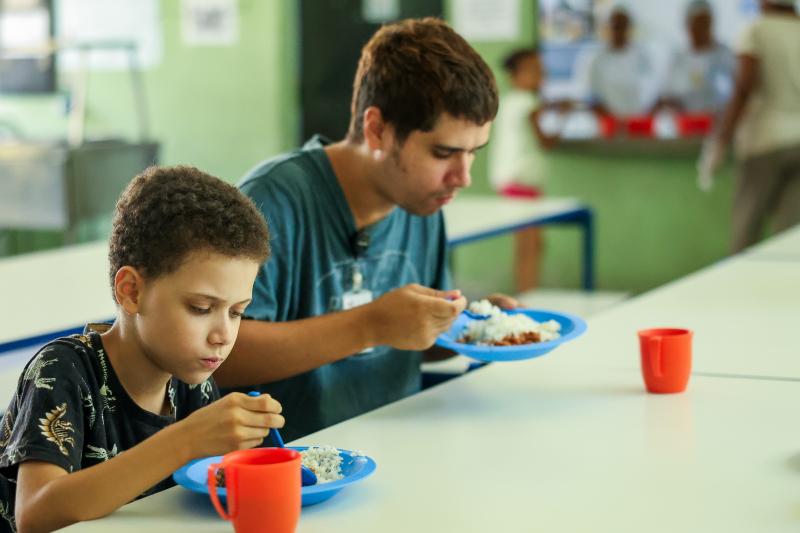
166	213
511	61
416	69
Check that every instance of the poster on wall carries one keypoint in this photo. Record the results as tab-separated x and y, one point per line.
113	23
486	20
210	22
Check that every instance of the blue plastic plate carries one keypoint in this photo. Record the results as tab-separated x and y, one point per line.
571	327
193	476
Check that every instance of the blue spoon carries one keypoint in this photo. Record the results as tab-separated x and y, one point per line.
477	316
307	476
473	315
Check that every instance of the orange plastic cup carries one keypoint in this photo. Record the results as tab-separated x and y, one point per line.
263	486
666	355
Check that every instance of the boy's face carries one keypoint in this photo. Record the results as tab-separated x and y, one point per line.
528	73
187	321
426	171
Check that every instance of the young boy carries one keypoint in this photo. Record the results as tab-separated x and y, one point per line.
184	252
516	162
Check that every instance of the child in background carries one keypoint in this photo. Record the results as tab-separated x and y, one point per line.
516	160
184	252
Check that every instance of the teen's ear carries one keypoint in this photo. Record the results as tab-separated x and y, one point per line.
128	284
378	134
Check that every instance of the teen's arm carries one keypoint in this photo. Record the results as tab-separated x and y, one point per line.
408	318
49	498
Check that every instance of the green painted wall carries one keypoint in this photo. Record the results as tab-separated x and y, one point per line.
221	109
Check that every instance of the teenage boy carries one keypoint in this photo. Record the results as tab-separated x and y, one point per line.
185	249
357	290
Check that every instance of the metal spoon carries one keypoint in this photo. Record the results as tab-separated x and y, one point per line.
307	476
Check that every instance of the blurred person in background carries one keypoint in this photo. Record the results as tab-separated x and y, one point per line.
621	75
517	167
764	115
700	78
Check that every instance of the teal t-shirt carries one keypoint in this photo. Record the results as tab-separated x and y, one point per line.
311	268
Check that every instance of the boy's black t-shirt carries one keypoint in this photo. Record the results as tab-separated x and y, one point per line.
71	410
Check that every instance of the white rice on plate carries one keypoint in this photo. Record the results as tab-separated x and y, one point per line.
504	328
325	461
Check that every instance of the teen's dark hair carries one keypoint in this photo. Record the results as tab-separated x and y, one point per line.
416	69
512	60
166	213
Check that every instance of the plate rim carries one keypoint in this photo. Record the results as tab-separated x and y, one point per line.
525	351
181	476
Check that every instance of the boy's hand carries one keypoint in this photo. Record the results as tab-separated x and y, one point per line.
411	317
234	422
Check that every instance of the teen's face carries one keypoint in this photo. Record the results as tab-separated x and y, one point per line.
426	171
188	320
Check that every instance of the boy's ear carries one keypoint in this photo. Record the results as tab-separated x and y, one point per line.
377	133
128	284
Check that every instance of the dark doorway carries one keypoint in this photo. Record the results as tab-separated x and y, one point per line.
332	33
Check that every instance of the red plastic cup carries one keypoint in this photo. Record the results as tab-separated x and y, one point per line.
639	126
607	126
666	356
264	490
693	125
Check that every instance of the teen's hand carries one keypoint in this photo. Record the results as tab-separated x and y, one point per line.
411	317
234	422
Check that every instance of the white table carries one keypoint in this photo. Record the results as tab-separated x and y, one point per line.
571	442
785	245
46	294
54	293
745	313
538	446
472	218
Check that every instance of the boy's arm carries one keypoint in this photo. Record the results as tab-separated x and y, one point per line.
49	498
408	318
